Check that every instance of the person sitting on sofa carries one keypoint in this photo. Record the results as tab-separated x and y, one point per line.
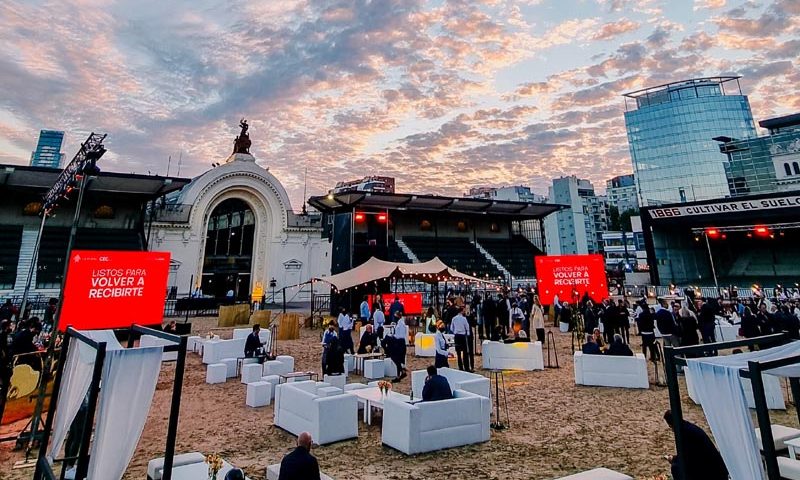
235	474
368	342
590	347
598	339
618	348
300	464
436	386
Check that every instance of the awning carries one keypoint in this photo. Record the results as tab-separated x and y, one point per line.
375	269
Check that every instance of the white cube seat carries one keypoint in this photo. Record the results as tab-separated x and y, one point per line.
780	434
349	362
258	394
374	368
288	360
789	468
155	467
276	367
329	391
216	373
598	474
512	356
389	368
191	343
274	380
335	380
231	364
611	370
251	372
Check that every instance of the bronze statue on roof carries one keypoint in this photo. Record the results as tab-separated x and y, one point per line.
242	142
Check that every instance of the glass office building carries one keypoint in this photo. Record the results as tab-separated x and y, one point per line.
48	150
765	164
670	135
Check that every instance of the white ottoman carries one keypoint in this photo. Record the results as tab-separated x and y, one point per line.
231	364
275	367
216	373
273	380
251	372
286	360
373	368
335	380
328	391
191	343
258	394
598	474
349	362
389	368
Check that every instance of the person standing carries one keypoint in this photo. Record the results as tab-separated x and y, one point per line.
363	311
396	306
397	352
624	321
537	319
300	464
706	319
701	460
610	319
489	312
378	319
647	329
460	328
687	321
442	351
345	331
666	325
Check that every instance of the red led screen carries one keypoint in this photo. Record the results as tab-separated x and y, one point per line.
567	275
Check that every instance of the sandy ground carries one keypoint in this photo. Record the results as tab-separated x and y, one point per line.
557	428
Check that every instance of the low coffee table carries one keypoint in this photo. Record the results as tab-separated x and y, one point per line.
285	377
373	398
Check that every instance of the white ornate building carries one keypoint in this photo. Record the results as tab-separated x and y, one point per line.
233	228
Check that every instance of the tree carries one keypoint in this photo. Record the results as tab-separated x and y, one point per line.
613	219
625	219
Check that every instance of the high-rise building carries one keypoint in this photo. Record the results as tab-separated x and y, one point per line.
517	193
579	228
48	150
766	164
621	193
670	134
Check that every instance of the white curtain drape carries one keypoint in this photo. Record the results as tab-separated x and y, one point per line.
719	390
128	383
76	377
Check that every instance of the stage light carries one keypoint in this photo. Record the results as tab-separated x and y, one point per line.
382	217
749	235
762	231
360	217
724	236
712	232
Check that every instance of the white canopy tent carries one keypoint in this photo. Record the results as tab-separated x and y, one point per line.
374	269
722	396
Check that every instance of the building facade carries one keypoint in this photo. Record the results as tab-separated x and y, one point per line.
517	193
764	164
621	193
670	132
579	228
48	150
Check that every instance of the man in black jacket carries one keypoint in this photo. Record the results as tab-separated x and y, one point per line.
701	460
300	464
436	386
252	345
667	326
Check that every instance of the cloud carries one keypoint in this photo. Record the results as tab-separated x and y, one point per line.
614	29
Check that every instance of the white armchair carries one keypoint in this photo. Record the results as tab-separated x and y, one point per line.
611	371
429	426
298	409
512	356
216	350
458	380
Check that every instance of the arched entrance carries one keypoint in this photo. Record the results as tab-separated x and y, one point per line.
228	256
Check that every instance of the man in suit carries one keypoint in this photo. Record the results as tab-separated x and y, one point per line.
590	348
300	464
701	458
436	387
253	343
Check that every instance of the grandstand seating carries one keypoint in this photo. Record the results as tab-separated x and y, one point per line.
515	255
457	252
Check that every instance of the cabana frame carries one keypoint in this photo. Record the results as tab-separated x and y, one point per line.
44	470
675	356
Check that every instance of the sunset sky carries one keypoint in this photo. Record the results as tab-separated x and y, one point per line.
443	95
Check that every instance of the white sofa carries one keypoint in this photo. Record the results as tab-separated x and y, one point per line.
216	350
458	380
155	467
263	334
597	474
512	356
299	409
153	341
772	390
429	426
611	371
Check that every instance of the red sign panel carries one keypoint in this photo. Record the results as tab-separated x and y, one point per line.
571	275
114	289
412	302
